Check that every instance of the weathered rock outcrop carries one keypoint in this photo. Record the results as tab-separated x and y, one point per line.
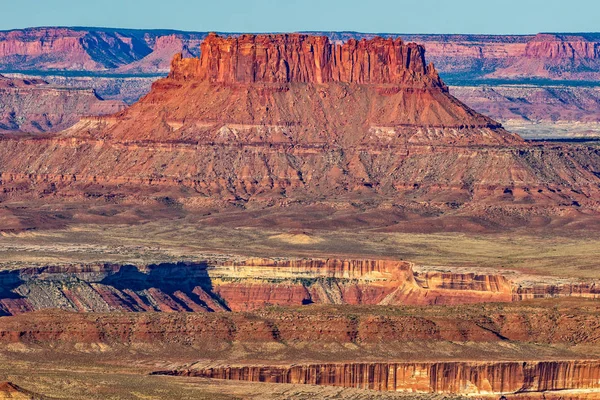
257	283
33	106
304	90
556	56
307	59
443	377
90	49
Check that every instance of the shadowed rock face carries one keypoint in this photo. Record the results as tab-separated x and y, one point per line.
258	283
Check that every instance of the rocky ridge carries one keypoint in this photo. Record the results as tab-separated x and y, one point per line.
253	125
445	377
547	55
258	283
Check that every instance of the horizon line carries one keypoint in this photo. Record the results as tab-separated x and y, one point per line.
107	28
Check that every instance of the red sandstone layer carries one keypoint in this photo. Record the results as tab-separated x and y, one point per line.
444	377
34	106
559	322
257	283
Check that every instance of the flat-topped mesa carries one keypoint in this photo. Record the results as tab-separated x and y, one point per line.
303	90
285	58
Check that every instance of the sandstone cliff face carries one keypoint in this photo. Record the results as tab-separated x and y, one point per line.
33	106
256	284
556	57
444	377
232	127
60	46
562	47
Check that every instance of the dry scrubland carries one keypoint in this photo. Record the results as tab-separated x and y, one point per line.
563	255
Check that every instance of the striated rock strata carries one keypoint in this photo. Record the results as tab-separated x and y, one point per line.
277	120
442	377
33	106
256	284
563	322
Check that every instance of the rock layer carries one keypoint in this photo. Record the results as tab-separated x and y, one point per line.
307	59
229	128
257	283
34	106
444	377
562	322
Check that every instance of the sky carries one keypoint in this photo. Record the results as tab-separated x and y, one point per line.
394	16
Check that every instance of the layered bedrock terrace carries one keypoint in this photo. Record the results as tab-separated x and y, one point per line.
254	284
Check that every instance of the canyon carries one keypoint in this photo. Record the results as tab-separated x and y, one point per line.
298	216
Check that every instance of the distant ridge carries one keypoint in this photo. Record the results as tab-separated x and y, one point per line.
465	56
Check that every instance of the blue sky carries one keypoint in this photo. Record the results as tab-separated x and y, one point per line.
398	16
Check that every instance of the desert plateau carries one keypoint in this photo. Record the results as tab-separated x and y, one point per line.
299	213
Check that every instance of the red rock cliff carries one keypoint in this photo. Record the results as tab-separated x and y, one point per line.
562	47
304	58
442	377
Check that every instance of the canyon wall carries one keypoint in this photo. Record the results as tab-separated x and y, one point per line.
82	49
443	377
256	284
